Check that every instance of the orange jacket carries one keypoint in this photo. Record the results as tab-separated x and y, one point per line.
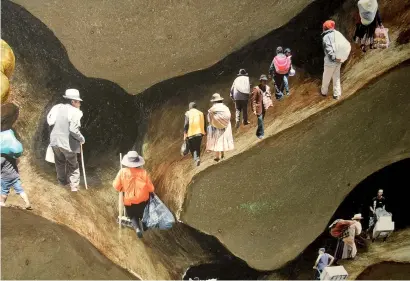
135	183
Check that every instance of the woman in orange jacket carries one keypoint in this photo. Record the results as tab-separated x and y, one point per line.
136	184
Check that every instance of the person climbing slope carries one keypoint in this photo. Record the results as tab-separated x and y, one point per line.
194	130
261	100
66	138
136	184
377	210
369	19
219	132
333	63
349	245
279	67
240	92
286	77
10	178
322	261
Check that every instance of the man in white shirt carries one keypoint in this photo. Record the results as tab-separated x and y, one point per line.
240	92
66	138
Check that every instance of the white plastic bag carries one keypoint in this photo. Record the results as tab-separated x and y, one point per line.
292	71
341	46
49	155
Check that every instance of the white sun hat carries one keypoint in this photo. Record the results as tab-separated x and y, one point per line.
72	94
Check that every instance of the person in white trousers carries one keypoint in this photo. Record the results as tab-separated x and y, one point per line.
331	64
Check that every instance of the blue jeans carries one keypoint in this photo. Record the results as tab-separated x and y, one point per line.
260	131
286	82
7	184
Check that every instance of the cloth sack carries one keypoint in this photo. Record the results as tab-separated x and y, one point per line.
341	46
367	11
157	215
242	84
220	116
381	38
340	228
184	148
10	145
267	98
282	64
50	155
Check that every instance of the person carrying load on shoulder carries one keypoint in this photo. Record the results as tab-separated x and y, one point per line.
136	184
369	19
240	92
261	100
66	138
279	67
337	50
194	130
219	131
322	261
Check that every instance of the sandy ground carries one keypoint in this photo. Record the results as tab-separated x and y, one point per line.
35	248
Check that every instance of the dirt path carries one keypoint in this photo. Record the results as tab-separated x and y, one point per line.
34	247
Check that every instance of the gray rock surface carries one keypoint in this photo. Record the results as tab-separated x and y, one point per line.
267	204
137	43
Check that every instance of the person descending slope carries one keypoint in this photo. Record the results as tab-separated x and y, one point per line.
366	26
194	130
279	67
240	91
136	184
66	138
336	49
219	133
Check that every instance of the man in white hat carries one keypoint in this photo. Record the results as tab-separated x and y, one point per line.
66	138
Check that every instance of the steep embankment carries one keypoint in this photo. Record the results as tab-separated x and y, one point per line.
139	43
113	122
268	203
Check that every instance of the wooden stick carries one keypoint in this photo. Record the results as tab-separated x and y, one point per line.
82	162
120	202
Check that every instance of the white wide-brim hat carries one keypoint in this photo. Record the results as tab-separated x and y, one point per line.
216	97
357	217
72	94
132	160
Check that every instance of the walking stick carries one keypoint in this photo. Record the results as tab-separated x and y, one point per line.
82	162
120	202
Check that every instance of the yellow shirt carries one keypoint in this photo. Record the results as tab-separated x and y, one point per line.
196	122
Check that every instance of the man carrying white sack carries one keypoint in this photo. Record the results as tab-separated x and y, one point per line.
66	138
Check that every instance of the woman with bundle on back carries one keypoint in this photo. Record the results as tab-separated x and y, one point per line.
219	135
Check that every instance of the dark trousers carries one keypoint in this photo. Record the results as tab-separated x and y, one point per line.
135	212
241	106
260	131
194	144
67	167
279	84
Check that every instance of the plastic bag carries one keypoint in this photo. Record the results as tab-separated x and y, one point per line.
381	38
341	46
184	148
10	145
157	215
292	71
50	155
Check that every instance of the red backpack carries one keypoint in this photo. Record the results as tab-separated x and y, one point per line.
282	64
